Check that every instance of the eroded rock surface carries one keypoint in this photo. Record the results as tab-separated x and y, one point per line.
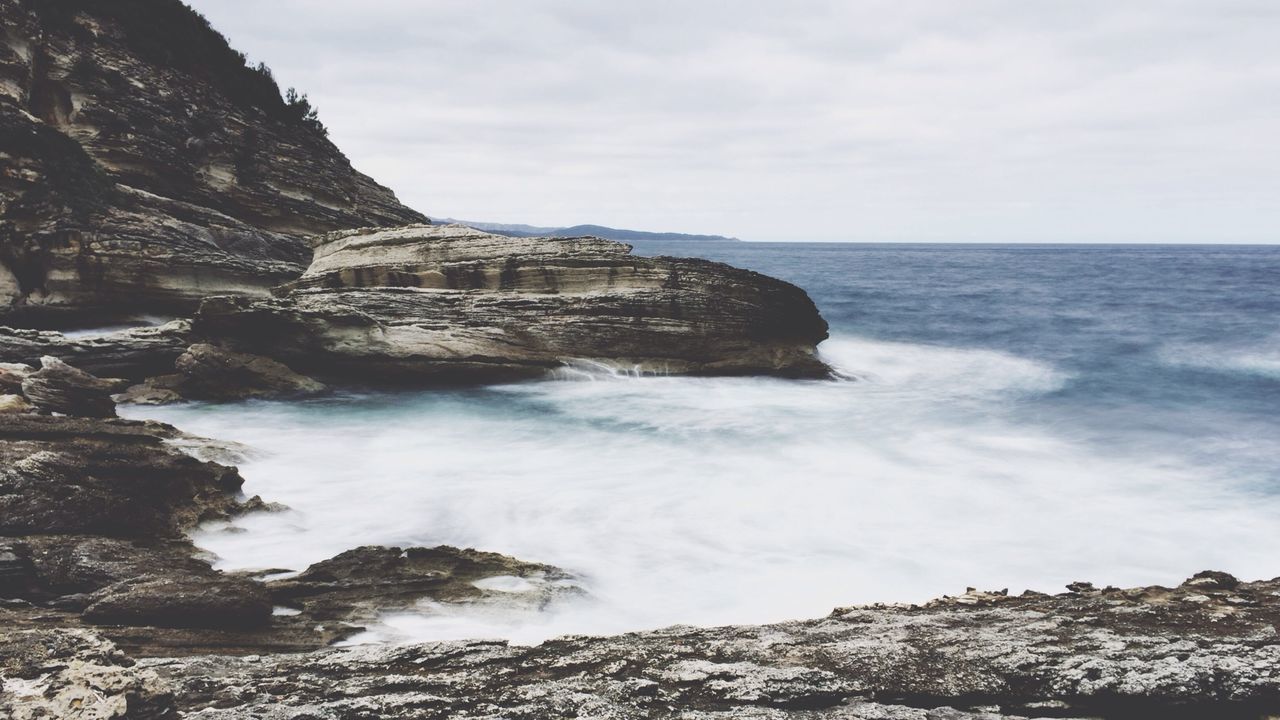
1199	650
433	303
133	354
144	166
59	388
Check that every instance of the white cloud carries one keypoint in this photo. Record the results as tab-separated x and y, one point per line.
999	120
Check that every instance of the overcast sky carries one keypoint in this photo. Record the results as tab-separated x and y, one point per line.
868	120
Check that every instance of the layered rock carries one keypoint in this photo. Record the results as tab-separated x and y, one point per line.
433	303
133	353
59	388
144	166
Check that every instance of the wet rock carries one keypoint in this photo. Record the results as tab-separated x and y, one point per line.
59	388
213	373
182	601
117	478
447	304
358	584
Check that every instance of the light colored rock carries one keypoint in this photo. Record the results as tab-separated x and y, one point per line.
12	375
14	404
432	303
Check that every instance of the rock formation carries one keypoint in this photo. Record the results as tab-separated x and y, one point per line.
1206	649
59	388
450	303
134	354
144	166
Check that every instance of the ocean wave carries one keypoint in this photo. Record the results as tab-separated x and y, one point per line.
1259	360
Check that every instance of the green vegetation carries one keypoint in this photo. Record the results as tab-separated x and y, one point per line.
171	34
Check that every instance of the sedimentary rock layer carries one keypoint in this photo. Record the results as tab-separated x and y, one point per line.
143	166
452	303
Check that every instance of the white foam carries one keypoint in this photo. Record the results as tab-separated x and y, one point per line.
1261	359
712	501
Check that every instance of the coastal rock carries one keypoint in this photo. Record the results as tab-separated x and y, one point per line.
182	601
134	353
59	388
450	303
52	674
1143	652
144	165
213	373
115	478
358	584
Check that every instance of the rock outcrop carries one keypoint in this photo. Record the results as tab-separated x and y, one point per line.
450	303
93	522
133	354
144	165
1206	649
59	388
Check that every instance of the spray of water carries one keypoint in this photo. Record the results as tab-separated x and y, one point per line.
681	500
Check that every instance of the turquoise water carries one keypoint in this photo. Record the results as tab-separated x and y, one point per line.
1021	417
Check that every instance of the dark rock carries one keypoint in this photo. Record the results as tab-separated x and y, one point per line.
115	478
59	388
144	166
133	354
449	303
213	373
1213	580
358	584
182	601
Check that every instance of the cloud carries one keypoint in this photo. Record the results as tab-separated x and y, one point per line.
976	120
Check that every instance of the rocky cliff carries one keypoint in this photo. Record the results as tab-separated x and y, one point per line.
144	165
450	303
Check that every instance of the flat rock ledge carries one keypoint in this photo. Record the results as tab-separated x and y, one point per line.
1207	648
450	303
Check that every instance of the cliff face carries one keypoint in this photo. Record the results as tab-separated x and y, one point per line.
144	166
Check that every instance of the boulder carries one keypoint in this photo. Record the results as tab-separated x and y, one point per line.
429	303
59	388
358	584
182	601
213	373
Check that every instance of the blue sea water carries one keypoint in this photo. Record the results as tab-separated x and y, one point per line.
1020	416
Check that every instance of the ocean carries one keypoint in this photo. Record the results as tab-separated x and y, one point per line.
1011	417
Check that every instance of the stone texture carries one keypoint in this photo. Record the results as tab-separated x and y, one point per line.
358	584
134	354
15	404
1190	651
76	675
213	373
182	601
433	303
12	374
116	478
59	388
143	166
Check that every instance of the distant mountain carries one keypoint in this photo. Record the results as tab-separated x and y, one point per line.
517	230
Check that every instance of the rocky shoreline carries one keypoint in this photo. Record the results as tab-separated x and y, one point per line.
145	168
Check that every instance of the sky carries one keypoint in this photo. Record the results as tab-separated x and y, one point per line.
859	120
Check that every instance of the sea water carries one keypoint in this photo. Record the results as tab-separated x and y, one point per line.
1014	417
